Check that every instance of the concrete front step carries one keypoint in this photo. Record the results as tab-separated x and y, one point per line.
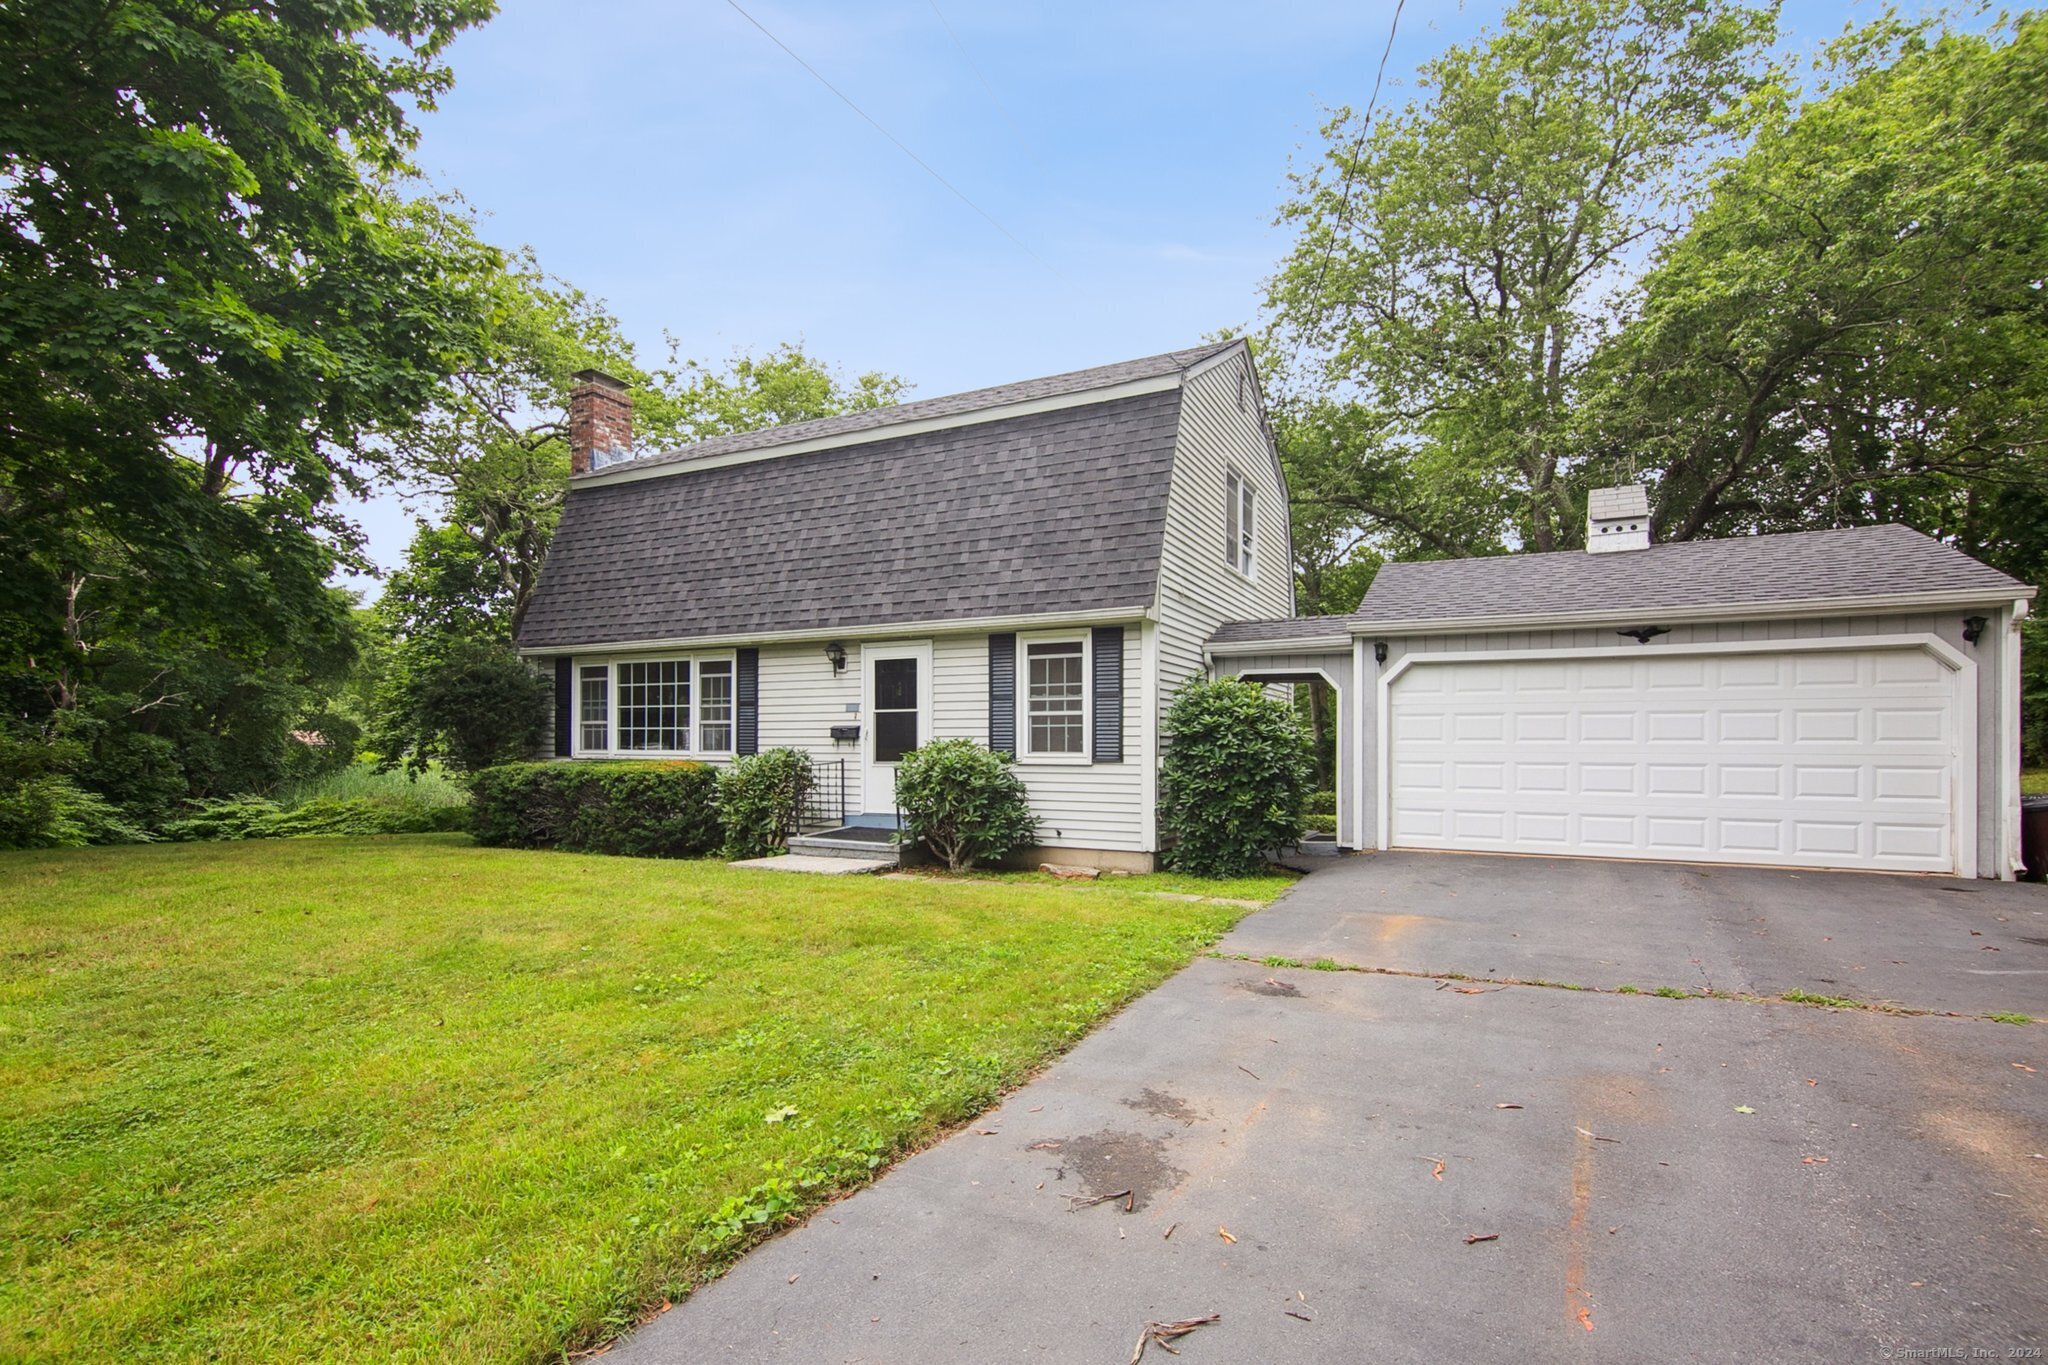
857	842
837	866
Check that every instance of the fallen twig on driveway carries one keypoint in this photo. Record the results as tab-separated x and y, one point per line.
1077	1202
1164	1332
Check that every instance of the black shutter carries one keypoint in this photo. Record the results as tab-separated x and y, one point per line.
1002	694
565	700
747	695
1108	683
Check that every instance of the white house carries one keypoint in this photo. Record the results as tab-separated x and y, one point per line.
1038	566
1035	567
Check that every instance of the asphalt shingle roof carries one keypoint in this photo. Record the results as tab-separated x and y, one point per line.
1335	629
1047	512
1860	561
948	405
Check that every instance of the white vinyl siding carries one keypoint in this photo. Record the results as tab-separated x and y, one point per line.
1198	588
1078	804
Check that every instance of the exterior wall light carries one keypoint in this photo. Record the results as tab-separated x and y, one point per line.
1973	628
836	652
1379	651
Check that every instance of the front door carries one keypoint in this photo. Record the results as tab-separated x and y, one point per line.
896	717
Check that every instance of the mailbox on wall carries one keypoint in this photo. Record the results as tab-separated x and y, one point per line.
845	733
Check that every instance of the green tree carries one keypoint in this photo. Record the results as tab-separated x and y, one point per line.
1455	261
211	300
1852	329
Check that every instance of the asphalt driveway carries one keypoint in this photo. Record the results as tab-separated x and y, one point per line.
1699	1178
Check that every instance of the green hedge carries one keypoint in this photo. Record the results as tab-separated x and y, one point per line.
646	810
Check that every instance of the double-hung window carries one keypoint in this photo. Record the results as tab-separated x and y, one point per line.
656	706
714	706
1238	536
593	705
1055	700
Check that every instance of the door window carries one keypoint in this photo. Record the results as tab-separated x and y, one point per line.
895	718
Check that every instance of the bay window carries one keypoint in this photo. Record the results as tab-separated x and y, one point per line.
680	705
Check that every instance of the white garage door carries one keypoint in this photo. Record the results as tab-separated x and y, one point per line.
1828	758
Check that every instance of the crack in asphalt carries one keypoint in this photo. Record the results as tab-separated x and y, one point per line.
1663	993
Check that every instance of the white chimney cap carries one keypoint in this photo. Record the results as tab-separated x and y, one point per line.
1618	519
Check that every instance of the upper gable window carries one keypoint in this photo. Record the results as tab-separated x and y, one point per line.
1238	539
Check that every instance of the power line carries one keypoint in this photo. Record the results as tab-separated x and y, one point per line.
922	163
987	88
1357	146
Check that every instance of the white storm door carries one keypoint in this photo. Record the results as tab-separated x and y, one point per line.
896	716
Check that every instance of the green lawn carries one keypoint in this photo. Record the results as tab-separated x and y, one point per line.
406	1098
2034	782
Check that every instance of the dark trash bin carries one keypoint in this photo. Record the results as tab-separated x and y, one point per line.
2034	836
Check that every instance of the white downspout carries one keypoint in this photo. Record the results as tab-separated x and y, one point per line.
2009	864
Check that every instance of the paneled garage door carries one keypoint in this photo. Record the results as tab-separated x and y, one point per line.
1827	758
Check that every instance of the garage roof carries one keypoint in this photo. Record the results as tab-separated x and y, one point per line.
1801	567
1744	574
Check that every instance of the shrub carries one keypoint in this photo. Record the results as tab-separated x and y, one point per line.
963	803
474	702
1319	803
229	817
1235	776
255	817
648	810
52	811
760	801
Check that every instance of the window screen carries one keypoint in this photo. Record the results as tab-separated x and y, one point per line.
654	705
1053	677
593	706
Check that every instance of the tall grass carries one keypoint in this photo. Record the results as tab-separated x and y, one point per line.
387	787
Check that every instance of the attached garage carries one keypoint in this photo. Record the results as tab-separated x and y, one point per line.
1826	699
1834	756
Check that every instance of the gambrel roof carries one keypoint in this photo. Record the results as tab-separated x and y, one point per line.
1047	496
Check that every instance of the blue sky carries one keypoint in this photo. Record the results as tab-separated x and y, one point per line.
670	159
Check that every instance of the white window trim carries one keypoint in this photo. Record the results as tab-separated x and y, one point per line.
1244	555
1025	755
610	663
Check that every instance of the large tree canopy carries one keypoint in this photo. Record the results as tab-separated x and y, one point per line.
212	301
1457	260
1854	328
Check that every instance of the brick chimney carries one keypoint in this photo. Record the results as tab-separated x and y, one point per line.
600	422
1618	519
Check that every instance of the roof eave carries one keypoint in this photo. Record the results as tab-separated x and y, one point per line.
1723	611
880	630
